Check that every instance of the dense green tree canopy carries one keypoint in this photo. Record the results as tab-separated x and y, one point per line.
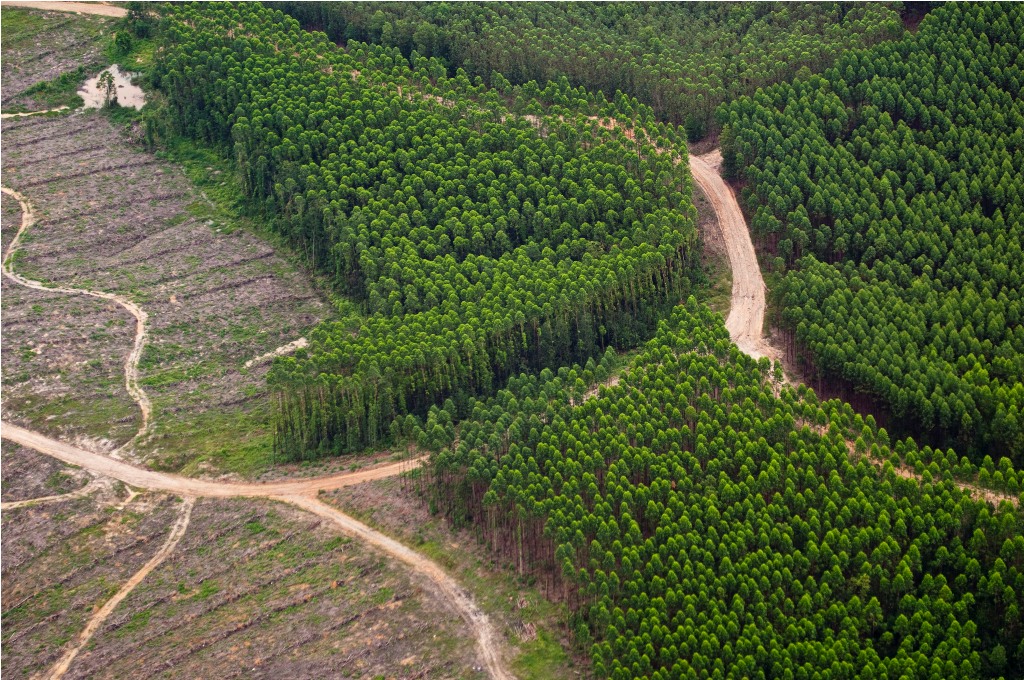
683	59
480	241
703	526
895	185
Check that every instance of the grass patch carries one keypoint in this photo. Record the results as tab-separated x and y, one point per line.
61	91
541	658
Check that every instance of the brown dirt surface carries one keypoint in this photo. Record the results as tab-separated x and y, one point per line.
46	48
62	561
259	589
714	255
519	612
111	218
26	474
94	8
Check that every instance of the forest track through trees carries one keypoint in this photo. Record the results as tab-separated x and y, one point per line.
746	313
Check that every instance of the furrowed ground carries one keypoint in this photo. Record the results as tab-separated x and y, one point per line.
109	217
107	581
39	47
258	589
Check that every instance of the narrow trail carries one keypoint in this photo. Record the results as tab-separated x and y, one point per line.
97	619
279	352
4	116
131	363
92	486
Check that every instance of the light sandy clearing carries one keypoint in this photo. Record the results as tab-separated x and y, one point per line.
131	363
177	531
280	351
99	8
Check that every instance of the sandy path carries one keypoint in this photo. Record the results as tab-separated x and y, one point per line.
101	9
186	486
131	363
280	351
301	493
746	312
177	531
451	592
746	315
32	113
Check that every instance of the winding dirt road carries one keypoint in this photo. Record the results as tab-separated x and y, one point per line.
746	312
301	493
131	362
187	486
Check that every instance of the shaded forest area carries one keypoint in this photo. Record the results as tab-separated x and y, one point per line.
703	523
682	59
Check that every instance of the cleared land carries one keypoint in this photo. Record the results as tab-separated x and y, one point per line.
40	46
111	218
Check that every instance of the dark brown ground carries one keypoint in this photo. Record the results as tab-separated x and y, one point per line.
27	474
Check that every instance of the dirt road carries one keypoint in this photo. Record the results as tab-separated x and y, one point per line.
301	493
99	8
185	486
746	313
451	592
97	619
131	363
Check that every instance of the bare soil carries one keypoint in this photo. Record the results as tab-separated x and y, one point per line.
27	474
62	560
112	218
517	609
260	589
